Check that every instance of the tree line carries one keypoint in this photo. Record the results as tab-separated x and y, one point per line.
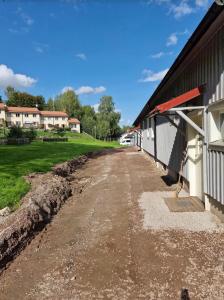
102	124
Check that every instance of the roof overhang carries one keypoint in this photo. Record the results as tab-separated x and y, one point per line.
210	20
169	105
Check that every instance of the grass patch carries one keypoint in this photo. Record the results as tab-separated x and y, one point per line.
18	161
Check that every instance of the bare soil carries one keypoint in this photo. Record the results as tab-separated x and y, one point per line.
96	247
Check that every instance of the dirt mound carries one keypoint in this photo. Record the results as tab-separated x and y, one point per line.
48	193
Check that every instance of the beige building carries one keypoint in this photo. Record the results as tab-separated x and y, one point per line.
2	113
52	119
74	124
33	117
22	116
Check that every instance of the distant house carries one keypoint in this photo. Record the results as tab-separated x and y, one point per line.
22	116
74	124
27	117
2	113
52	119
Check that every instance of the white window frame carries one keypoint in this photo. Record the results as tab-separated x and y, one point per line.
152	129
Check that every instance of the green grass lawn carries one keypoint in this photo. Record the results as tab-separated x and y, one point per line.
17	161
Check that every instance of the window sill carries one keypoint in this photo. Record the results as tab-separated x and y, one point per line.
217	145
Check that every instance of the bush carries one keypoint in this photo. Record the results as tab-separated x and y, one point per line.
15	132
30	134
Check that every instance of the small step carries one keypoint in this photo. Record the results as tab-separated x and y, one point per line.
184	204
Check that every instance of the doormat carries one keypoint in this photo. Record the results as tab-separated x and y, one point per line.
184	204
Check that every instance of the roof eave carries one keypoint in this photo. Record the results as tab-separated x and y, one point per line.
203	26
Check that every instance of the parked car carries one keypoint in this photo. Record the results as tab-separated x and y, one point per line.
126	142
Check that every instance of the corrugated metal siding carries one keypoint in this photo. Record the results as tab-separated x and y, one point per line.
216	178
169	144
147	140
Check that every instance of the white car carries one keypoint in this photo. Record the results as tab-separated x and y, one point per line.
126	142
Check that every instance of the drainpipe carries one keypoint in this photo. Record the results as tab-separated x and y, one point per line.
205	166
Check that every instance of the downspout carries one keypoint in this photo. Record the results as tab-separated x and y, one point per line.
205	165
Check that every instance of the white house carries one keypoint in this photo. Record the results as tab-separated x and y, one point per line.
74	124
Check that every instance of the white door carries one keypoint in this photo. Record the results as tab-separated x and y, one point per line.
195	160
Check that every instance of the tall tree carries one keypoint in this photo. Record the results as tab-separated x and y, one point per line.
1	101
50	104
88	120
16	98
107	118
69	103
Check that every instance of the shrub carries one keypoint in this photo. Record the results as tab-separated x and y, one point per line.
30	134
15	132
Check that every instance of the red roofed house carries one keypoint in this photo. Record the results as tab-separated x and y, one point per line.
74	124
33	117
52	119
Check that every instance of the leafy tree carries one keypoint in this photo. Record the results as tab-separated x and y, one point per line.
50	104
16	98
9	92
107	119
88	120
125	128
69	103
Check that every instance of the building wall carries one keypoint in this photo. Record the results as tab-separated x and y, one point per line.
2	115
75	127
23	119
147	136
49	122
204	65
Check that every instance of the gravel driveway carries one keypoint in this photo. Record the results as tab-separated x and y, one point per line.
116	239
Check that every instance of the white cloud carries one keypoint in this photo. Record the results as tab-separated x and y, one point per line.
66	89
158	55
161	54
40	47
150	76
86	90
173	38
96	107
8	77
25	17
82	56
202	3
182	9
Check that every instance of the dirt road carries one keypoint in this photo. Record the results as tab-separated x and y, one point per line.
101	245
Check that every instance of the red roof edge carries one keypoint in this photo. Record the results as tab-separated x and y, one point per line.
178	100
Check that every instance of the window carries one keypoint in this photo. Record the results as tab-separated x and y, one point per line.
8	114
17	115
26	115
74	125
152	128
222	125
216	124
63	118
34	115
56	118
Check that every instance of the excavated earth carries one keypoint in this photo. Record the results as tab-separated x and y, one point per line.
114	238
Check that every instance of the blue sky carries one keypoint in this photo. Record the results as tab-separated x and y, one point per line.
118	48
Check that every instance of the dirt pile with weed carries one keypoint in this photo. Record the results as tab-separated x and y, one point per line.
48	193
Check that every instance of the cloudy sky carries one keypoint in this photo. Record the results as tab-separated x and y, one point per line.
121	48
